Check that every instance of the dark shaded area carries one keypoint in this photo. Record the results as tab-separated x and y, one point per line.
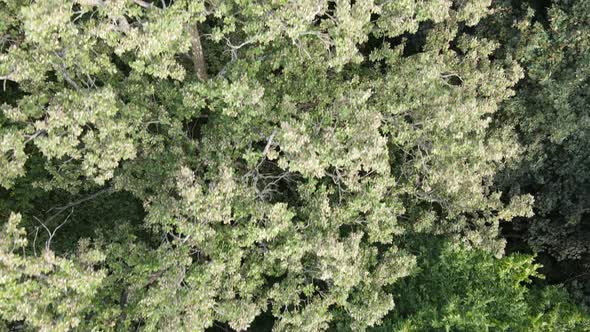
541	10
413	42
555	173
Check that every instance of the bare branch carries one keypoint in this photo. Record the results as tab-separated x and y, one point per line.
46	229
50	233
65	75
64	222
5	79
42	224
143	4
69	80
237	47
97	3
35	241
75	203
269	143
34	135
234	48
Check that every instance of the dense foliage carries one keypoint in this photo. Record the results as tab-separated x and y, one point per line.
553	122
306	165
460	290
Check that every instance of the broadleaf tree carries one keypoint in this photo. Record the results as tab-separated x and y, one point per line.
550	110
468	290
279	152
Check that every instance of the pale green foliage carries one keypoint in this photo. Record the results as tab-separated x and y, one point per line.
12	158
264	240
51	293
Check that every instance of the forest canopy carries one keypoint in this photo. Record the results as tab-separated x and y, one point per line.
282	165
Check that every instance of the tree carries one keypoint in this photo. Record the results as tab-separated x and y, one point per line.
469	290
551	117
48	292
280	150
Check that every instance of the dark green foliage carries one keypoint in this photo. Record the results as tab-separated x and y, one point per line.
469	290
550	114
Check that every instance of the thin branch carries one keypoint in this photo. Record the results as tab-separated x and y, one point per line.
65	75
5	79
50	233
237	47
46	229
69	80
269	143
143	4
80	14
75	203
234	48
64	222
185	239
34	135
43	224
576	277
35	241
97	3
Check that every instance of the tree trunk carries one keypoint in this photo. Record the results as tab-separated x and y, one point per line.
198	57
